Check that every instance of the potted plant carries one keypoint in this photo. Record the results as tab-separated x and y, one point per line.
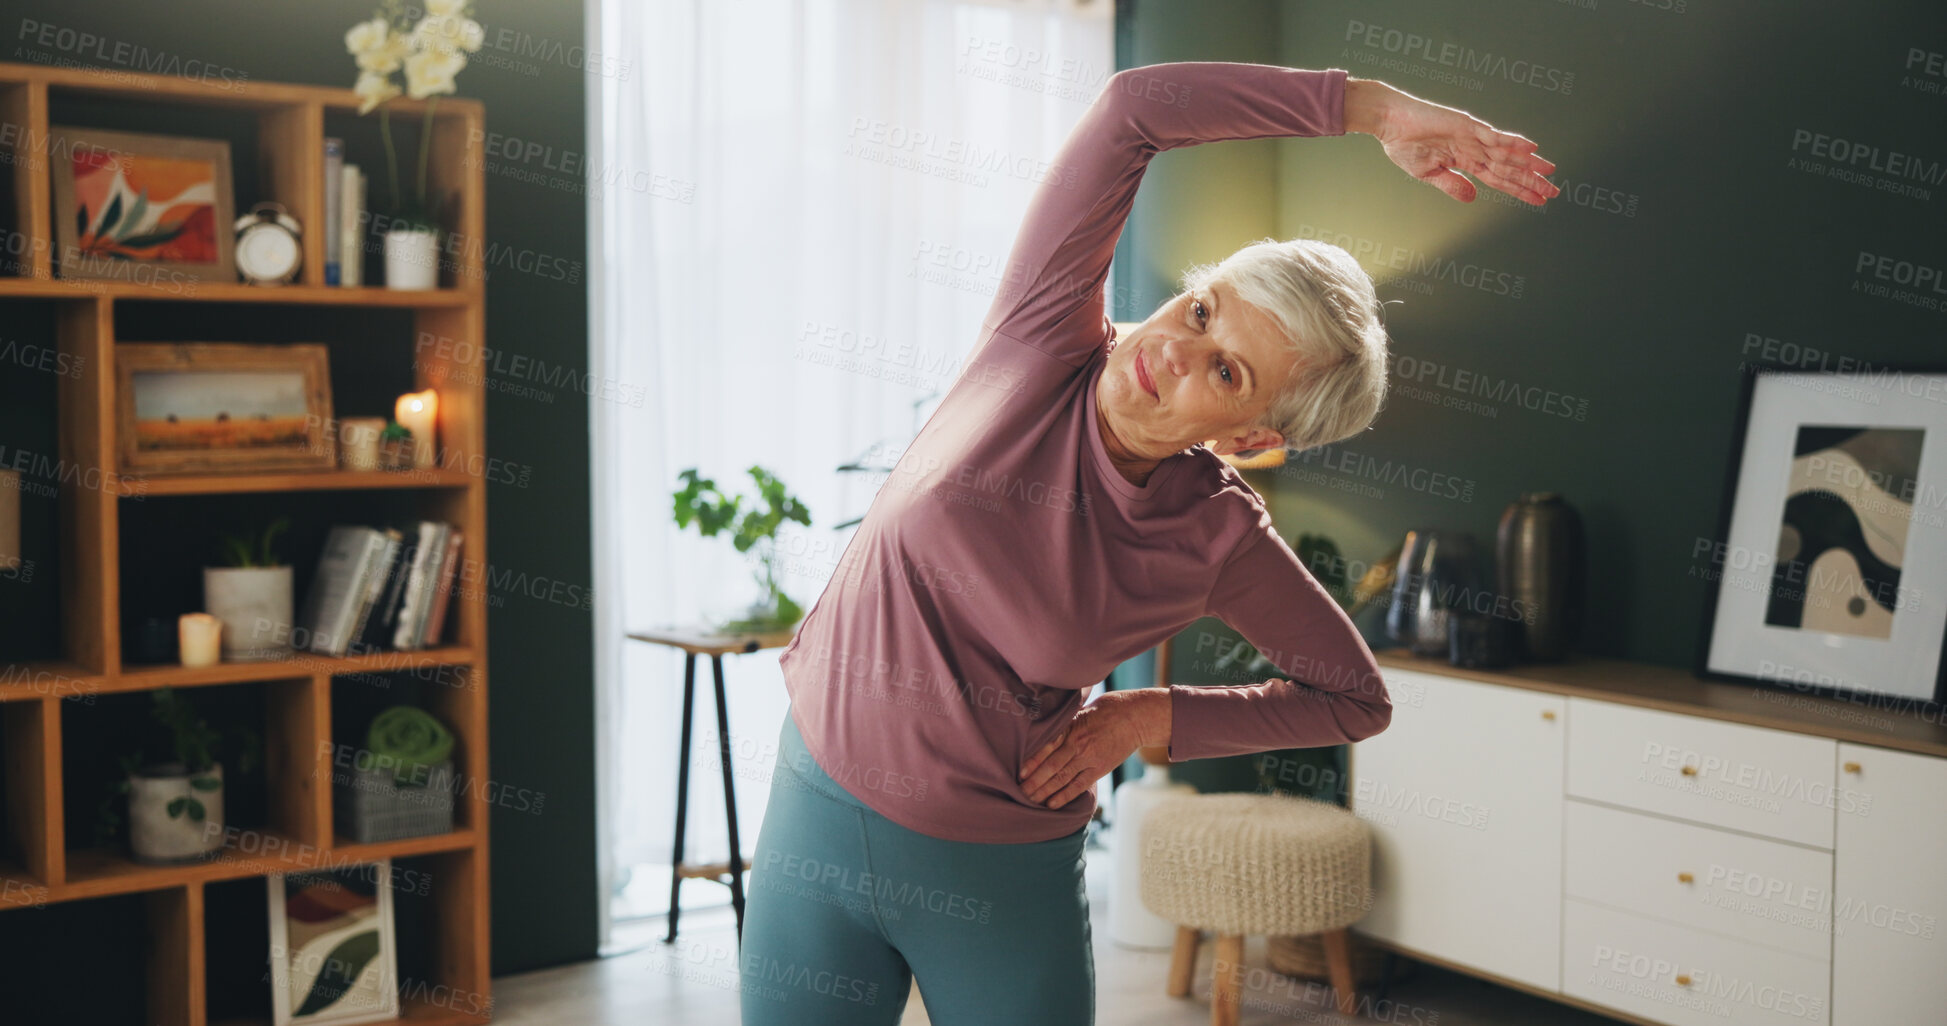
395	447
250	591
430	52
702	503
174	786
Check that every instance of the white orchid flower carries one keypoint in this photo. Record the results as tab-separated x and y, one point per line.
374	88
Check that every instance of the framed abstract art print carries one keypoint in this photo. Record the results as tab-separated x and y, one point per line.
1830	571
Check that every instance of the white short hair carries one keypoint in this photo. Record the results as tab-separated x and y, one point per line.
1330	314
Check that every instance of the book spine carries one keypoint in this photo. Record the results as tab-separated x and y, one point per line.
369	598
443	590
423	611
404	634
351	223
334	161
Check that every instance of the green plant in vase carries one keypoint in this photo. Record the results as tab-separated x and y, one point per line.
172	786
702	503
249	589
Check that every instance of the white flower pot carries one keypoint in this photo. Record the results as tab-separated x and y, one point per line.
254	604
411	258
156	836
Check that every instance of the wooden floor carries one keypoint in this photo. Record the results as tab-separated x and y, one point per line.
694	983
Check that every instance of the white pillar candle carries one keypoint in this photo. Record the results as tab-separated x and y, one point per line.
358	439
198	635
418	412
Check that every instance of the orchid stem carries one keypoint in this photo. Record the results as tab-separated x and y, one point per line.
425	146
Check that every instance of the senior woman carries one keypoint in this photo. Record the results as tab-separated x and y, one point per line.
1063	510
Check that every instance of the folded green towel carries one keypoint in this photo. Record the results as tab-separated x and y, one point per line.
411	738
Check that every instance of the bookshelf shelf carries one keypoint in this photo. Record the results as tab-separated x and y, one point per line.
93	872
319	481
59	695
215	292
148	677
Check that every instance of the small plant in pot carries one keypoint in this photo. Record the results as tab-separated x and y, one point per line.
172	788
701	502
250	591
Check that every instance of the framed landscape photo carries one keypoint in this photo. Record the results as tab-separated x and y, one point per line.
222	407
130	206
1829	573
333	954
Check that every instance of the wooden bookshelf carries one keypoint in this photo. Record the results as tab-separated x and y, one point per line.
43	696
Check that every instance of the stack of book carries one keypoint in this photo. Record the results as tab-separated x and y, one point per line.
380	589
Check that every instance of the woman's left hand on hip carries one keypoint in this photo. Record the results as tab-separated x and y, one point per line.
1102	734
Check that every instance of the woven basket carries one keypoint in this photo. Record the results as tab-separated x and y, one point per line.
371	807
1304	957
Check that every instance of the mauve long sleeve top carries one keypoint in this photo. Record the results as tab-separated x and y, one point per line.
1005	566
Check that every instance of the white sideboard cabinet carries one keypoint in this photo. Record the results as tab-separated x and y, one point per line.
1634	840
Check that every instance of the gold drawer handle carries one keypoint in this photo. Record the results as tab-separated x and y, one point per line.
1686	878
1852	767
1683	979
1548	714
1689	771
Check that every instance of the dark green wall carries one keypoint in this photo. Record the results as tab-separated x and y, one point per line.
1684	229
531	80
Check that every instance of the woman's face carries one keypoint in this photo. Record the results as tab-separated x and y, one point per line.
1202	368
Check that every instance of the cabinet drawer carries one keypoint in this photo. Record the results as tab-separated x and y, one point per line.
1763	781
1765	892
1678	975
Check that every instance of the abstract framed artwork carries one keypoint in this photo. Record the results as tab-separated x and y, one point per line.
223	407
333	953
1829	571
135	207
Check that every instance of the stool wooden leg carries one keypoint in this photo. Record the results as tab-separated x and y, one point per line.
1338	962
1183	961
1226	981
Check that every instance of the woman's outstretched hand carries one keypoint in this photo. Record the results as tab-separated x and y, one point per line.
1435	144
1105	732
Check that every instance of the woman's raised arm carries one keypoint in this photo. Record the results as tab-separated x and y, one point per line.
1050	295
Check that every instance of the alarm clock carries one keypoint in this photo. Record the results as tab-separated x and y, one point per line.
268	252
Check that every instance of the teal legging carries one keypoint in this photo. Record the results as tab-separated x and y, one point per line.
847	907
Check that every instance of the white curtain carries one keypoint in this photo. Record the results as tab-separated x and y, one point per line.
798	212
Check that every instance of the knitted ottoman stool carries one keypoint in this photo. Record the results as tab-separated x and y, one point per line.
1242	864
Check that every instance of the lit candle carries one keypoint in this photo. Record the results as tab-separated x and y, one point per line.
359	442
418	411
197	635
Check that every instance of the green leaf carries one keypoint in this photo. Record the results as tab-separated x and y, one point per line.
341	970
135	210
206	784
111	216
176	808
196	811
275	528
154	238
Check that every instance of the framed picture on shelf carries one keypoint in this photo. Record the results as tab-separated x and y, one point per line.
333	953
1829	571
222	407
147	209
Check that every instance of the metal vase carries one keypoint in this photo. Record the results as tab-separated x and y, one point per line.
1541	560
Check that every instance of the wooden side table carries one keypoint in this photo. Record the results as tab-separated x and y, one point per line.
694	642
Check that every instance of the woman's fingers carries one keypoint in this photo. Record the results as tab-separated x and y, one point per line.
1035	759
1048	766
